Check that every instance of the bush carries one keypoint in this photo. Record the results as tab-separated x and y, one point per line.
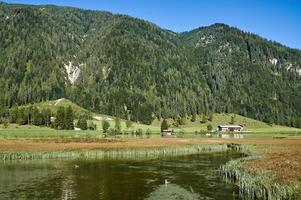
210	117
91	126
117	124
112	132
209	127
105	126
181	133
129	124
204	119
148	132
133	133
182	121
232	119
164	125
193	118
82	123
5	123
139	132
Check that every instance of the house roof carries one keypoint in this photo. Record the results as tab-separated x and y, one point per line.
230	126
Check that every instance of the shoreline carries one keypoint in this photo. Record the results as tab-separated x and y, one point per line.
256	174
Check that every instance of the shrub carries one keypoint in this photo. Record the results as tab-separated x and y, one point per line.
5	123
193	118
91	126
129	124
204	119
117	124
139	132
105	126
209	127
164	125
82	123
148	132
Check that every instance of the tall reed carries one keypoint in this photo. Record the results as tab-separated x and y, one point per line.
136	153
257	184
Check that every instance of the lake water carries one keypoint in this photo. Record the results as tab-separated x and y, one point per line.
190	177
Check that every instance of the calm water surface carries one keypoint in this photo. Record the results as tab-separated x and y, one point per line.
191	177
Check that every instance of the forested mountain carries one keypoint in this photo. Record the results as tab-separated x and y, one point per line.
126	67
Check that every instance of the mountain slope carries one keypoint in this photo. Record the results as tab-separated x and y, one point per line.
126	67
248	74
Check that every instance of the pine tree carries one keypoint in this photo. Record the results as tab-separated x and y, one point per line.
164	125
232	119
209	127
60	118
128	124
210	117
204	119
82	123
21	119
117	125
69	118
193	118
37	117
105	126
47	117
14	115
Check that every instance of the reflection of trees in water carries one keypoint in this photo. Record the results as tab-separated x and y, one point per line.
109	180
115	179
14	174
31	180
172	192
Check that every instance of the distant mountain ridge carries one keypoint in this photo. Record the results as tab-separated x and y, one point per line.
131	68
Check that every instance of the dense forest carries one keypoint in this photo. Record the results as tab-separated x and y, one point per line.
133	69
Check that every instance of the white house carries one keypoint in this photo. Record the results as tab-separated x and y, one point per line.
232	128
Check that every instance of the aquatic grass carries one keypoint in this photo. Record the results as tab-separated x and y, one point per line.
257	184
133	153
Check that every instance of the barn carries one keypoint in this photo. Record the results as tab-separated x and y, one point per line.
231	128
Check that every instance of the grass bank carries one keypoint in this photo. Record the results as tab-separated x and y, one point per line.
258	183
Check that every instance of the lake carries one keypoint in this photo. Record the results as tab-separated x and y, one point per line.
188	177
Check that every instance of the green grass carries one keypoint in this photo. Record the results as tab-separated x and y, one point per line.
135	126
37	133
250	125
54	105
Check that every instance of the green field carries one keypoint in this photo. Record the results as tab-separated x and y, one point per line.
250	125
54	105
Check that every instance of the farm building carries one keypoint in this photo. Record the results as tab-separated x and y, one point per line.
167	133
232	128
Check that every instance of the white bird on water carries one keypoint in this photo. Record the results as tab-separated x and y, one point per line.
167	182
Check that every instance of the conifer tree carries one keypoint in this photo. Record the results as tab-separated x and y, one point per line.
164	125
105	126
82	123
37	117
117	125
21	119
69	118
60	118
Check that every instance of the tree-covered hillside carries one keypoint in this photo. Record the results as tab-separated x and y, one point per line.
130	68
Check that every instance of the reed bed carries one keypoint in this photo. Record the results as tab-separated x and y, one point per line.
258	184
138	153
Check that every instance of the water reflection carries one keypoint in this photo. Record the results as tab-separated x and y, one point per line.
191	177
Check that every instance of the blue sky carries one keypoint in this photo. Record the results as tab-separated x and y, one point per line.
278	20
